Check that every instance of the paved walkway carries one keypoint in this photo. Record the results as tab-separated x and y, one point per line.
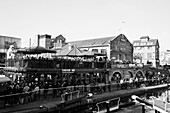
35	104
58	100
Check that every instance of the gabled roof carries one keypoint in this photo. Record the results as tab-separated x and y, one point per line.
35	50
9	37
69	50
73	51
58	37
4	79
92	42
150	42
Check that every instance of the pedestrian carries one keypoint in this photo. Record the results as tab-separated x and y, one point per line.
104	87
54	90
36	93
25	90
109	86
131	82
121	84
46	89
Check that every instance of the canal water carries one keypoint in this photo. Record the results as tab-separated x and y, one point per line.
137	108
134	109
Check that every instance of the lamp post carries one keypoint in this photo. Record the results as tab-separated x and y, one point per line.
168	80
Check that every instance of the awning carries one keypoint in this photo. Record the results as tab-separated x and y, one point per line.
4	79
35	50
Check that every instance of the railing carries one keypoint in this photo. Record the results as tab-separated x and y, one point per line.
56	63
158	105
70	96
75	92
108	105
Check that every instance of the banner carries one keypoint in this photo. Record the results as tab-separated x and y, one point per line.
7	44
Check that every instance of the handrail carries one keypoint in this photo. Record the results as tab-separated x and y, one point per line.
63	96
107	105
59	63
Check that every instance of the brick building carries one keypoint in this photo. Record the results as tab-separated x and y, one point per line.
121	49
115	47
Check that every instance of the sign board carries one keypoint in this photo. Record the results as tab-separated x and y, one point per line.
68	70
126	65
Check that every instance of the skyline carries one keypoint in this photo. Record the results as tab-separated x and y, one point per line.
86	19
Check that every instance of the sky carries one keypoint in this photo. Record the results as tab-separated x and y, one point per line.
86	19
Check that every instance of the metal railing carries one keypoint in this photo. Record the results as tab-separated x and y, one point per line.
70	96
74	92
59	63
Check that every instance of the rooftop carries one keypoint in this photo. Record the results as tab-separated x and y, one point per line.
150	42
93	42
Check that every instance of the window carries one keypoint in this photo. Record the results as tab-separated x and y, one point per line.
148	43
136	44
138	48
119	56
151	43
142	48
95	50
149	47
149	56
125	57
103	51
116	48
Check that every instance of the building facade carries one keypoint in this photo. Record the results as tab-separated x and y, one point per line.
165	57
100	45
5	42
114	47
44	41
121	49
48	42
146	51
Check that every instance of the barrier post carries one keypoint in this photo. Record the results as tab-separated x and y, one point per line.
143	108
71	96
107	106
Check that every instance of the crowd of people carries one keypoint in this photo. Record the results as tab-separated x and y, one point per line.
20	93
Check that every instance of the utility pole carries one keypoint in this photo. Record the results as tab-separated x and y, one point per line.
30	43
38	40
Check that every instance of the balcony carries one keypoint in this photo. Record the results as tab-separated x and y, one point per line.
57	63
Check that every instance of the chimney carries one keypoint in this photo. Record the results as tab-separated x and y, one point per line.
45	41
38	40
145	38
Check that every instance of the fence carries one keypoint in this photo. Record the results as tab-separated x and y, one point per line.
57	63
108	105
70	96
74	92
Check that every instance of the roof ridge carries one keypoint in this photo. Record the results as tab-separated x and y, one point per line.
9	36
93	39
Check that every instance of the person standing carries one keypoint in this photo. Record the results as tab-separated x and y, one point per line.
54	90
36	92
46	89
25	90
